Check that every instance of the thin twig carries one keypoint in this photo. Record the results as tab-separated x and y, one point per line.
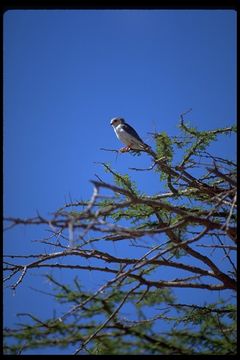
107	320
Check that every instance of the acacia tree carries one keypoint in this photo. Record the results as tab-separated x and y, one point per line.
183	237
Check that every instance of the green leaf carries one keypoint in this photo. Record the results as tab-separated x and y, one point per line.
164	146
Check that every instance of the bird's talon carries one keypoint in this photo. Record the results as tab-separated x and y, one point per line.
122	150
125	149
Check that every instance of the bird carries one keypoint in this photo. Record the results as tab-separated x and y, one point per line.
127	135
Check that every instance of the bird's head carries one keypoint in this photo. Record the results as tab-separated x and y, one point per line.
116	121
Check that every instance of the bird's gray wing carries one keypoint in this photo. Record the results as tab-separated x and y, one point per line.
131	131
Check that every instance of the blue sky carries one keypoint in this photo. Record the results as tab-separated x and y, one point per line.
67	73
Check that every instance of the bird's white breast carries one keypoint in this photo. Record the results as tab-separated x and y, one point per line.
122	135
127	138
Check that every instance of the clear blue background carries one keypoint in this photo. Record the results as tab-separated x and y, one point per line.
67	73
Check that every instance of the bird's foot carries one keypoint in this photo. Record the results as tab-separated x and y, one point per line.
125	149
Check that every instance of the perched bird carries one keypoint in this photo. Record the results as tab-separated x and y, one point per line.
127	135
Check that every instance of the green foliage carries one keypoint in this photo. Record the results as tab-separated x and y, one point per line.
134	213
197	140
123	181
164	148
208	330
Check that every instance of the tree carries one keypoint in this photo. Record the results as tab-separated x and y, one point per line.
183	237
